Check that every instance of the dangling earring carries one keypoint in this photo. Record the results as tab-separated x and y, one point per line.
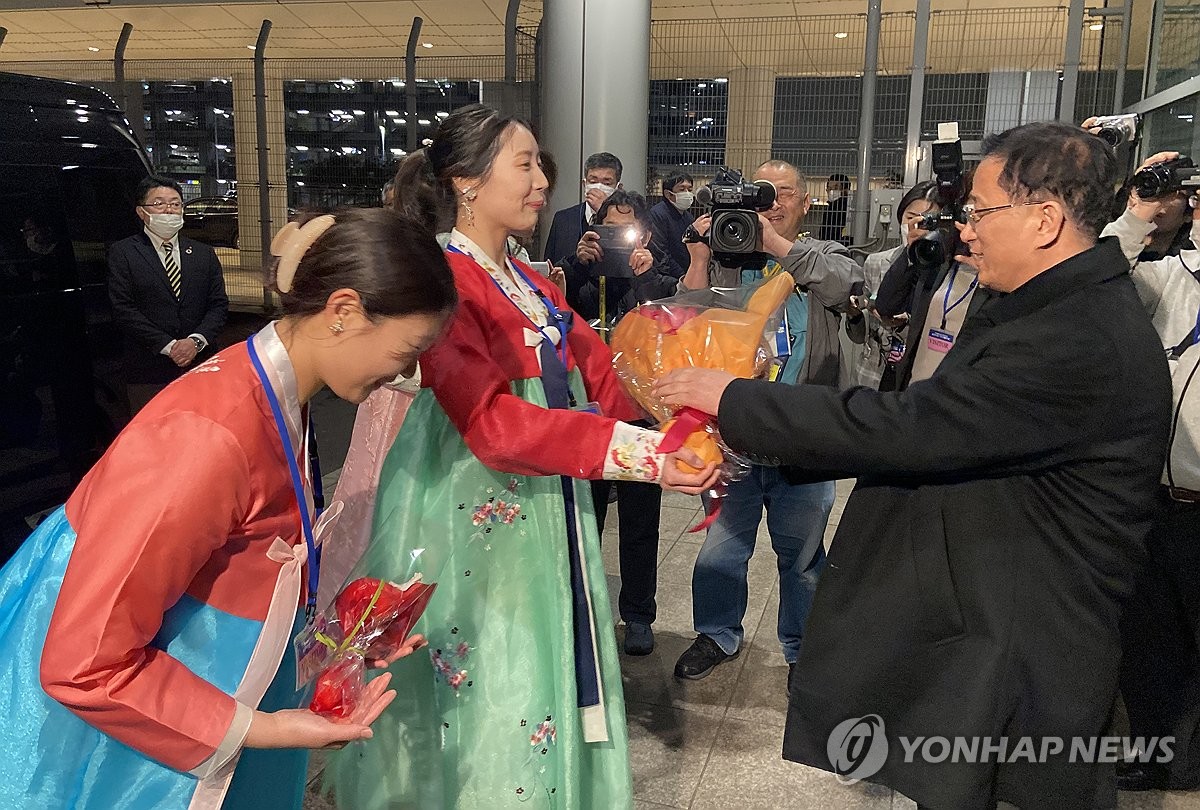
337	327
468	198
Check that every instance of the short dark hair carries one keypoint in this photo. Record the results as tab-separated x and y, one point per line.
626	199
153	181
603	160
393	262
675	178
1063	161
921	191
839	178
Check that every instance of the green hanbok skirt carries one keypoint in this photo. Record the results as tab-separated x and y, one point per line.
488	718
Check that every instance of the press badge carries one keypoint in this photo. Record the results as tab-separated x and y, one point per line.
313	647
940	340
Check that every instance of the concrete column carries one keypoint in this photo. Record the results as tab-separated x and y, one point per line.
751	121
595	88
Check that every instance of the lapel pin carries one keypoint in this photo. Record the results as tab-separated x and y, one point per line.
188	251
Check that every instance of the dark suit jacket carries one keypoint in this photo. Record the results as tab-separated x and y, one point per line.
145	308
976	578
565	232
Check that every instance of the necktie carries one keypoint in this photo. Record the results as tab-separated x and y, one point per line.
172	269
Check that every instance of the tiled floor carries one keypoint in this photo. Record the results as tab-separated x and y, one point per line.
715	743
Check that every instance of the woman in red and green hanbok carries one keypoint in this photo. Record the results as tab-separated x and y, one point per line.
520	702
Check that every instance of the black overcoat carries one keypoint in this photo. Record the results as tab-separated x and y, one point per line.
976	577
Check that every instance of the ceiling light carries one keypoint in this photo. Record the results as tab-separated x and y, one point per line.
1096	27
392	113
426	44
720	81
251	47
301	112
841	35
423	121
359	112
93	49
301	148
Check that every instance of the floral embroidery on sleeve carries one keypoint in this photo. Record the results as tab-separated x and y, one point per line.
633	454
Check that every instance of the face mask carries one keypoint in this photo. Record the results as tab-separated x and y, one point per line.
683	200
165	226
606	190
835	195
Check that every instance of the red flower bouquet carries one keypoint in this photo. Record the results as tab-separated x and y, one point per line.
368	620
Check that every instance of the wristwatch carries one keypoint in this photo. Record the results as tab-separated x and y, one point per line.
199	343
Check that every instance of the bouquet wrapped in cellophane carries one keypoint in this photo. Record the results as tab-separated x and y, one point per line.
368	621
734	330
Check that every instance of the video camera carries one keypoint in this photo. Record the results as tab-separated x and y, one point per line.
1166	178
735	232
936	247
1115	130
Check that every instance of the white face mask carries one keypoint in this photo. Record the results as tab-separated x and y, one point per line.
607	190
836	194
683	200
165	226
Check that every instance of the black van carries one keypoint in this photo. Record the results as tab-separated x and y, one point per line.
69	169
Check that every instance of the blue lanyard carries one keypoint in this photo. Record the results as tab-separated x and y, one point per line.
314	556
555	315
947	307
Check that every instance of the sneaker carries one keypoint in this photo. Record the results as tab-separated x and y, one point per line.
699	659
639	639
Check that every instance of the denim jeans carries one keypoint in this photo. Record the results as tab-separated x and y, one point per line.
796	518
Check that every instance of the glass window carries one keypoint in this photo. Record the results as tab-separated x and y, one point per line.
688	119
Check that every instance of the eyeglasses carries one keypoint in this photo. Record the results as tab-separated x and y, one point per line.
969	213
159	205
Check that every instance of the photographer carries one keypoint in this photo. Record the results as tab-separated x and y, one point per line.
638	504
934	300
866	326
796	513
1160	668
650	276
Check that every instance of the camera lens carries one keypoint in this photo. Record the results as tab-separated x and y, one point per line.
734	232
1111	136
928	251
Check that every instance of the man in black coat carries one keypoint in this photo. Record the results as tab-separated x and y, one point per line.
167	293
976	579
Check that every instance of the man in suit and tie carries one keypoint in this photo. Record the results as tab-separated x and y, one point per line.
601	177
167	291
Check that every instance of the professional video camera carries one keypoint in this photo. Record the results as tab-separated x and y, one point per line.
1166	178
936	247
736	231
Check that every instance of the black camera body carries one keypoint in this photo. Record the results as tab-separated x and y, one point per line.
1166	178
939	245
735	232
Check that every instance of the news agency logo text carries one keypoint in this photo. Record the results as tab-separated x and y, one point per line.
858	747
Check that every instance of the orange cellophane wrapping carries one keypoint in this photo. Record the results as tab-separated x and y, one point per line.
660	337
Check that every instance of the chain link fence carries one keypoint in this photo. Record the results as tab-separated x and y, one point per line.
729	92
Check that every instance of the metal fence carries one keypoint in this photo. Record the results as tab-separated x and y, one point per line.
722	92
